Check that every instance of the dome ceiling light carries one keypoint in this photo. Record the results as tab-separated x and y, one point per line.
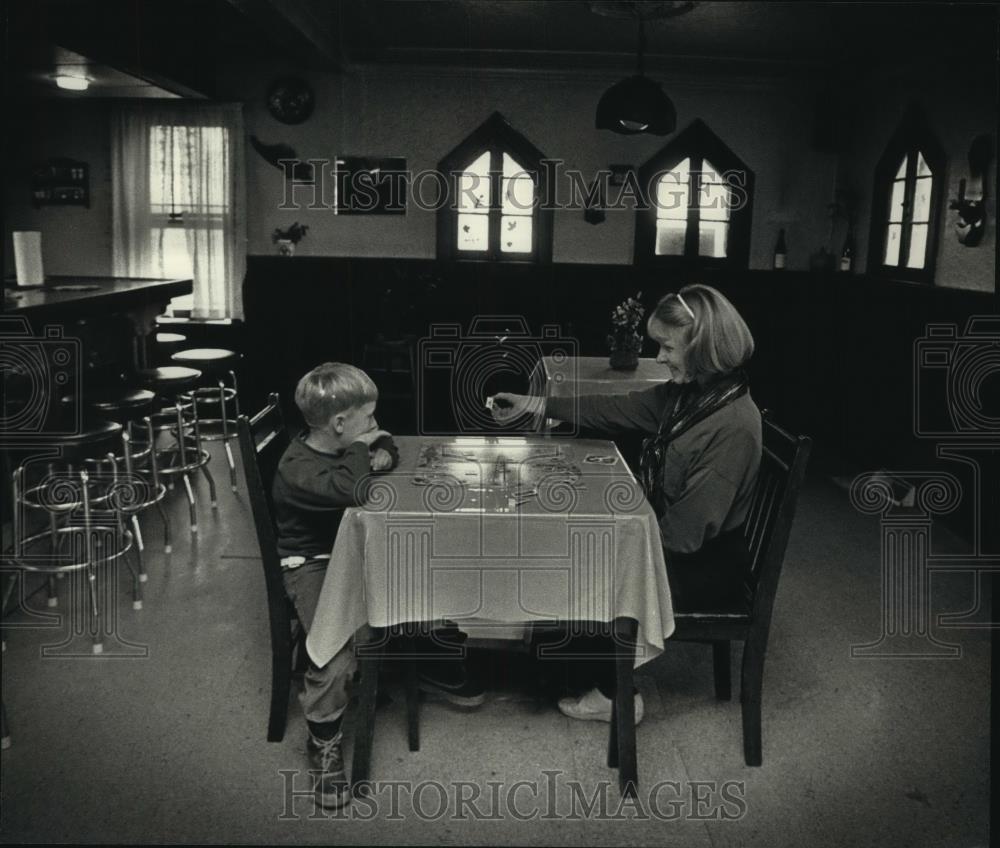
638	104
71	82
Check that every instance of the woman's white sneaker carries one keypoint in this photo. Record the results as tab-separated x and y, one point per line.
594	706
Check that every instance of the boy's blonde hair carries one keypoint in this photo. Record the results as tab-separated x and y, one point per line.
718	338
331	388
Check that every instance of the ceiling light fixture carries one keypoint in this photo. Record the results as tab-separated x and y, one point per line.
72	83
638	104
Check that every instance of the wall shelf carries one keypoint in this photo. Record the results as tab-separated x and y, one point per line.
61	182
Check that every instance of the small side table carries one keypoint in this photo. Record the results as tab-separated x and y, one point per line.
591	375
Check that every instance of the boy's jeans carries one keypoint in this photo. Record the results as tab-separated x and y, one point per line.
325	694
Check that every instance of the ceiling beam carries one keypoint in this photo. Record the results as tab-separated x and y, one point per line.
298	27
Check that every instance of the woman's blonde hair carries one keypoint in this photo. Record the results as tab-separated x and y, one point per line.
331	388
719	340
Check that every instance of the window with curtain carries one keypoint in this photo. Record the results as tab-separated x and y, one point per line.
700	197
906	195
178	203
496	183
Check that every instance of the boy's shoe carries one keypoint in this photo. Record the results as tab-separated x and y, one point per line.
595	706
327	770
450	681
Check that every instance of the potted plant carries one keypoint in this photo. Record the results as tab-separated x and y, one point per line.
625	340
287	239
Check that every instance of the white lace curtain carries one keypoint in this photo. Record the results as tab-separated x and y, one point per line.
178	200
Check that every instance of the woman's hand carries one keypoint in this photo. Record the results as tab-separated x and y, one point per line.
381	460
507	406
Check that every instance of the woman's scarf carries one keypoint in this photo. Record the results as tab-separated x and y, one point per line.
694	403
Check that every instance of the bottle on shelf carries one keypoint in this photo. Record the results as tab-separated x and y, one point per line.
780	251
847	254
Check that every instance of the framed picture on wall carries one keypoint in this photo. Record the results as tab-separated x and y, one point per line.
371	185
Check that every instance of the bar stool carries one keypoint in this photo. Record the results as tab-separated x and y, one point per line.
168	381
166	345
122	405
214	396
141	473
126	406
91	438
86	525
185	455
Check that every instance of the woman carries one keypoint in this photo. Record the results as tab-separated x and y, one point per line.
700	462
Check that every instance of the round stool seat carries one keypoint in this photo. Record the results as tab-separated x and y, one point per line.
213	358
169	378
165	344
129	402
91	432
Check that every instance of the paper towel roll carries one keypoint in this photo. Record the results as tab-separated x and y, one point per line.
28	258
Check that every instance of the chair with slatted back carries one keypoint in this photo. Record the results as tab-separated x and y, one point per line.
263	440
766	529
392	366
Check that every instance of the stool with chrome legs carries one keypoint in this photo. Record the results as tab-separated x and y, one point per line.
166	344
92	438
86	528
131	408
169	381
183	454
217	395
145	490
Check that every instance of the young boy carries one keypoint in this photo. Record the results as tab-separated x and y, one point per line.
315	480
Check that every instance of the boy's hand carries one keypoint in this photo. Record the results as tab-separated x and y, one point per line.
381	460
372	436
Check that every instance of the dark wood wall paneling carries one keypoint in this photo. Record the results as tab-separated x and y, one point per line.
834	353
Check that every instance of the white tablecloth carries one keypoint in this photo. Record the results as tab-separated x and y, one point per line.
452	542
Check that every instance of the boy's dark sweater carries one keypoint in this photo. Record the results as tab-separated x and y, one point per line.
312	488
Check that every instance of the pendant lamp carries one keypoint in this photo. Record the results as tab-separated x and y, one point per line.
638	104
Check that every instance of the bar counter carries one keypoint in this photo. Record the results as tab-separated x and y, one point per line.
89	295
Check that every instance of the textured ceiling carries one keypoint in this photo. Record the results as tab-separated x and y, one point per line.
178	46
393	30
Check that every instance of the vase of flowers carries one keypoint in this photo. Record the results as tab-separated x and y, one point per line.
287	239
625	340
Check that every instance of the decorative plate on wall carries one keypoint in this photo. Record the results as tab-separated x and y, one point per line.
290	100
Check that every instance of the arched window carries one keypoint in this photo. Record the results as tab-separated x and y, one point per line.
909	185
497	184
699	197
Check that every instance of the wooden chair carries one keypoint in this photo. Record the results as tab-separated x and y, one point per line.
767	527
263	440
391	365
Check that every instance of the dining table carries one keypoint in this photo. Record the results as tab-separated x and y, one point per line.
496	529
